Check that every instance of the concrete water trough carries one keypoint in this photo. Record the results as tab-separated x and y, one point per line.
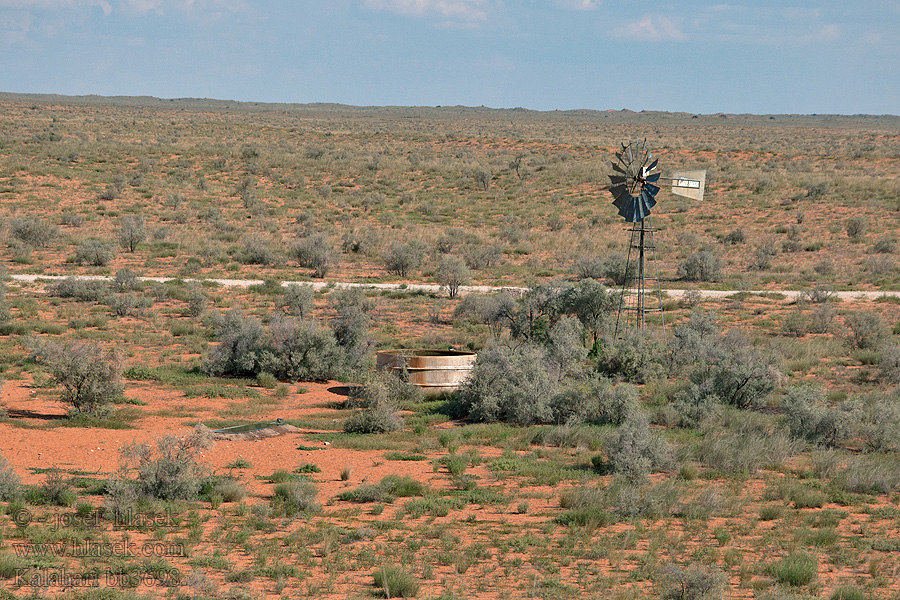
254	431
435	371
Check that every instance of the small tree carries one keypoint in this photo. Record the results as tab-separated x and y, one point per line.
10	483
856	227
400	259
298	299
33	232
483	178
451	273
702	265
132	231
168	469
867	330
91	376
94	252
314	252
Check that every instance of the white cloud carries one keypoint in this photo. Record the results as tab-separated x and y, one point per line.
14	28
651	28
579	4
454	10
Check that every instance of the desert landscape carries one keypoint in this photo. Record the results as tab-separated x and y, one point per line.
745	445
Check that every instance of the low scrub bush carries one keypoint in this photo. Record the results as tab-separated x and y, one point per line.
867	330
636	452
293	350
745	451
10	484
314	252
166	469
294	497
389	489
395	582
695	582
400	259
94	252
85	290
33	232
510	383
796	569
90	375
702	265
809	418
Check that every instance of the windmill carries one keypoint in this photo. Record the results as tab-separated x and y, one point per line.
634	184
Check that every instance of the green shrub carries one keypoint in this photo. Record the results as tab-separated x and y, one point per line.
167	469
56	489
10	484
400	258
379	418
292	350
867	330
33	232
808	418
94	252
452	273
297	299
230	490
314	252
796	569
695	582
636	452
293	497
132	231
847	592
510	383
702	265
85	290
389	489
395	582
91	376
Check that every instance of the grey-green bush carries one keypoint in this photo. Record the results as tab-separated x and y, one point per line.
400	258
695	582
510	383
636	451
168	469
298	299
452	273
10	484
314	252
132	231
94	252
702	265
90	375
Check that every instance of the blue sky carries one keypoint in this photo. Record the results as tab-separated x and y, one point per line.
763	56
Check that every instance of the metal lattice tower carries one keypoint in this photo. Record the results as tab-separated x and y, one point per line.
641	293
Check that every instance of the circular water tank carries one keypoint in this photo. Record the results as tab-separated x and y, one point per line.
435	371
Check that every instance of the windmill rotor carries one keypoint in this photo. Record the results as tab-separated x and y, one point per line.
633	182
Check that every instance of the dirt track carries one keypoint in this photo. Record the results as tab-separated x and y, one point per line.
466	289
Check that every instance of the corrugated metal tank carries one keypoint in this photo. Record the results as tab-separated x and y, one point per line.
435	371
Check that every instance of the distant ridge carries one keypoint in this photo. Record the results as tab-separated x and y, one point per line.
623	114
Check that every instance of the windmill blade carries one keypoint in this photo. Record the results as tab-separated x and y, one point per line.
653	164
617	180
618	169
690	184
651	189
654	177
